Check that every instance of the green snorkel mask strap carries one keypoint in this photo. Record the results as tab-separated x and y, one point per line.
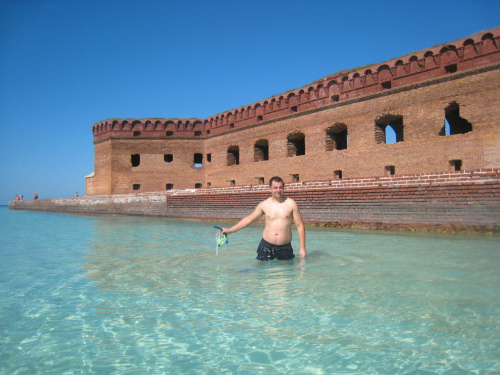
220	240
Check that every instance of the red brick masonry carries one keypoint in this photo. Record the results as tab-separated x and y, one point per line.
335	126
467	201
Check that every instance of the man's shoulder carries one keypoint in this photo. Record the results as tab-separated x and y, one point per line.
263	203
266	202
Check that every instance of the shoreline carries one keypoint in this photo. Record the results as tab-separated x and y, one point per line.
460	202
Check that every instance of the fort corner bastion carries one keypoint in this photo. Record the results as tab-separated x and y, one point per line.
411	143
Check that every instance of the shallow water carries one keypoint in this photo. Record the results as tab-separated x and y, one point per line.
135	295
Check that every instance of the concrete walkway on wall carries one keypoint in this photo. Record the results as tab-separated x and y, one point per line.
467	201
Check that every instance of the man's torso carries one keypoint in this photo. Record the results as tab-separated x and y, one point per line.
279	217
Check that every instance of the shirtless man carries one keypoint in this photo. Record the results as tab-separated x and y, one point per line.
280	211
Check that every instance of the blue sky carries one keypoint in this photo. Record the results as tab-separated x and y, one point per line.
65	65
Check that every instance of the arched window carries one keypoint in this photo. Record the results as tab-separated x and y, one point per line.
296	144
198	160
453	123
336	137
135	160
389	129
233	155
261	150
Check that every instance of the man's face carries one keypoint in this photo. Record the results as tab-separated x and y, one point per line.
277	189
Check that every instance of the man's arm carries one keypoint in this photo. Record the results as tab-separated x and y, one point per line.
258	212
301	230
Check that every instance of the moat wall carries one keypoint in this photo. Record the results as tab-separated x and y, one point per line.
465	201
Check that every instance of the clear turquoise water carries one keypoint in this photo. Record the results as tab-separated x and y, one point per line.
132	295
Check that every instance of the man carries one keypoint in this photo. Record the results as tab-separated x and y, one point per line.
280	212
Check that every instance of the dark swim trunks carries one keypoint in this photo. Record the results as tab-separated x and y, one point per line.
268	251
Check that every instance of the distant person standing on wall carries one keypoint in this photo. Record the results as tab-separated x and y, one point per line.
35	196
279	212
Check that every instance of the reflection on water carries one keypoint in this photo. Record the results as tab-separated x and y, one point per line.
148	295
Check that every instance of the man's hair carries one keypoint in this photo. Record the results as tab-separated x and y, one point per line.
276	179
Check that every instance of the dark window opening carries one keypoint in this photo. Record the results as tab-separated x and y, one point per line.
208	132
389	129
169	133
456	165
231	126
197	133
136	186
295	177
335	98
209	184
261	150
294	108
135	160
259	118
336	137
386	85
261	180
452	68
209	158
198	185
168	158
337	175
169	186
137	133
454	124
233	155
296	144
390	170
198	160
232	182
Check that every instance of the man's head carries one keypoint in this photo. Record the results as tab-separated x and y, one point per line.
276	187
276	179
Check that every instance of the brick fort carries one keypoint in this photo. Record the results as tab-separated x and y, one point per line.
410	143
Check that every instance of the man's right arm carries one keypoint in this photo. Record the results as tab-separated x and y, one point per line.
258	212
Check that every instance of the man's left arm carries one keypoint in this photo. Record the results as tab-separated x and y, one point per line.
301	230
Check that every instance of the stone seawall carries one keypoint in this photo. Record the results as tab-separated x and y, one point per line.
461	201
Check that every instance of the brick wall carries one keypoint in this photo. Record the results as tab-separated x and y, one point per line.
422	88
460	201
